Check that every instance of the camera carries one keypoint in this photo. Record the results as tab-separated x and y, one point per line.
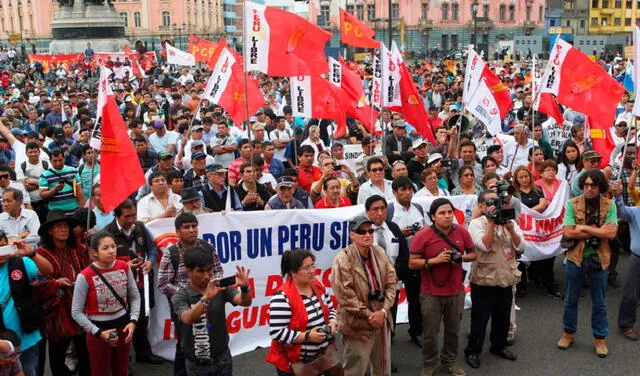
502	215
376	295
113	335
416	227
592	264
592	242
456	257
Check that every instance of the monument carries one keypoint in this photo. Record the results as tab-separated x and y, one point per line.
79	22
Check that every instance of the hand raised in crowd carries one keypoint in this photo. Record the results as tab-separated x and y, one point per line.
213	289
510	226
242	276
616	188
170	212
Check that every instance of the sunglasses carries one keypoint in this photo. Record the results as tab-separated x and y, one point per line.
363	232
378	169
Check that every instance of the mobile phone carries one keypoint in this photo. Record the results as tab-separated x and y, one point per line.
10	249
337	168
226	282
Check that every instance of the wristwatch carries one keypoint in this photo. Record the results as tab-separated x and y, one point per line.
204	301
244	289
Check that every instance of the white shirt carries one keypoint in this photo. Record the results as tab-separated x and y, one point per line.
31	171
424	192
280	135
392	248
404	217
224	159
161	143
149	207
368	189
27	220
19	186
521	157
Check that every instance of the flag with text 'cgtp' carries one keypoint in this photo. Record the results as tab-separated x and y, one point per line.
226	86
120	170
355	32
282	44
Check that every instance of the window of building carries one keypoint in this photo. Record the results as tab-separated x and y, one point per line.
445	12
582	24
166	18
552	22
594	21
454	17
627	21
568	23
629	4
371	11
618	4
540	13
125	18
527	14
444	42
485	10
350	8
503	12
324	12
595	3
454	42
638	21
137	21
395	10
603	21
425	10
359	11
605	4
617	21
512	12
638	5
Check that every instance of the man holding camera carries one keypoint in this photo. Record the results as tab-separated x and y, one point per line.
590	222
492	278
438	252
364	283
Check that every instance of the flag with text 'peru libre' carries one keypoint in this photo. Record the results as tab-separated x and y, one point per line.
317	98
226	86
390	60
355	32
282	44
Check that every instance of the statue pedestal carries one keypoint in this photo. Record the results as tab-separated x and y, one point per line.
100	25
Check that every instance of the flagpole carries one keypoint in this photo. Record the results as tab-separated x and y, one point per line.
533	108
624	149
246	91
93	171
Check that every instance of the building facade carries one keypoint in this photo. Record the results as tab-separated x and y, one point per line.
148	21
444	25
613	17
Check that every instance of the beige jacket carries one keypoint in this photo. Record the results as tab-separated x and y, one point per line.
492	266
351	288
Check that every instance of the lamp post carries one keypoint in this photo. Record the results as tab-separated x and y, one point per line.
474	10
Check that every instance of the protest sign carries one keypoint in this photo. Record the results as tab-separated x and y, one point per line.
53	61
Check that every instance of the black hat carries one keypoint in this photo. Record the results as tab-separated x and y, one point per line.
54	216
189	194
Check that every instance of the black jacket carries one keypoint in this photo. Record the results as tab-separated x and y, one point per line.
402	262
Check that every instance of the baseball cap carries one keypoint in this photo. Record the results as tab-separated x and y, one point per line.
359	221
197	155
253	119
214	167
197	128
418	143
19	132
591	154
158	124
284	181
453	107
196	143
399	124
58	133
164	154
434	157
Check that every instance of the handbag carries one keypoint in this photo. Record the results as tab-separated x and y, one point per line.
113	291
327	363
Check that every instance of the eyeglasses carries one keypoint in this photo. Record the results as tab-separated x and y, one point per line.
590	185
377	169
431	178
308	267
467	175
362	232
328	164
4	176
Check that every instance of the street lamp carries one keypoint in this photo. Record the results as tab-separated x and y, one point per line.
474	10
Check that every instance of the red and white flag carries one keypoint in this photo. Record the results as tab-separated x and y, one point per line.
376	79
353	100
226	86
580	84
104	90
473	72
390	60
314	97
282	44
179	57
636	70
355	32
485	108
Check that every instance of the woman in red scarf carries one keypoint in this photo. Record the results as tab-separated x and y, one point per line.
68	258
301	314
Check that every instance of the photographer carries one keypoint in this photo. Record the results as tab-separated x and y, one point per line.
492	278
590	222
438	252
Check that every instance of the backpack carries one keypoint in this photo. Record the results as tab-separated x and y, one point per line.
23	165
174	257
391	209
30	313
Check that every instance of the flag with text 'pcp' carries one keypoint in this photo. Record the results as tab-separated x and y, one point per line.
282	44
355	32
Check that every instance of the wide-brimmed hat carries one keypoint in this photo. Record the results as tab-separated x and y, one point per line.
188	195
55	216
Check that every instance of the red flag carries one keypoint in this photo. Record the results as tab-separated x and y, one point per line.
314	97
353	99
412	106
355	32
547	104
201	48
582	85
120	170
601	140
226	86
135	62
282	44
499	91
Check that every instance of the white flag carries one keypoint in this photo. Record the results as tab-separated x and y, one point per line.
301	98
376	80
104	90
178	57
472	74
390	76
484	107
335	72
219	77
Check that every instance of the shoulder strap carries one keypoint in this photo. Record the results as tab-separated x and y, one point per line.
174	257
113	291
445	238
23	166
45	165
80	169
419	207
390	210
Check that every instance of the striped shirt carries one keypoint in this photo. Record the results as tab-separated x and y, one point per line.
280	317
64	199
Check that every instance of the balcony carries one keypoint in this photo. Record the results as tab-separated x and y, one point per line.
426	24
483	23
529	25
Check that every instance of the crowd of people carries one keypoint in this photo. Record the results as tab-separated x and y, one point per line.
72	274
